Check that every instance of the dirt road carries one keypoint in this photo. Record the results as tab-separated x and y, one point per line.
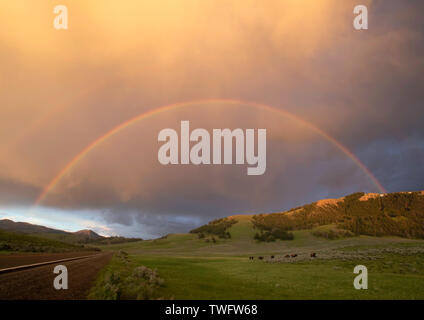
19	259
37	283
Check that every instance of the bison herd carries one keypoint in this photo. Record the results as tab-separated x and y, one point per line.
293	255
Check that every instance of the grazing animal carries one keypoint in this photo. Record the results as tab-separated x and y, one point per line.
287	256
272	257
313	255
260	258
251	258
294	255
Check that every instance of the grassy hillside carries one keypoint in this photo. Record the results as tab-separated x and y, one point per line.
395	214
19	242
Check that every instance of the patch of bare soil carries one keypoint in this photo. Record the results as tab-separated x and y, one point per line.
37	283
326	202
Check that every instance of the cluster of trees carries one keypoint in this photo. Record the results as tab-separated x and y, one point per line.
395	214
115	240
216	227
272	235
332	234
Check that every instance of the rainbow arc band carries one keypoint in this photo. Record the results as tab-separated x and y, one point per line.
50	186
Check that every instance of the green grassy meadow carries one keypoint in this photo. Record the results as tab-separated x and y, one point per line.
194	268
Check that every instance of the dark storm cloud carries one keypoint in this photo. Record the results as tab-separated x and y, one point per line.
14	193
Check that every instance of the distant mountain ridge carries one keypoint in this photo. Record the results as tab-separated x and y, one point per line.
88	234
25	227
83	236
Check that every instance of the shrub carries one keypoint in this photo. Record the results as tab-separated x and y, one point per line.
5	247
141	284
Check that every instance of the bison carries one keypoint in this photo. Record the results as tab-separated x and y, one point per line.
287	256
272	257
260	258
313	255
294	255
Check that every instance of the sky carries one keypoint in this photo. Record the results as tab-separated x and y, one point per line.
62	90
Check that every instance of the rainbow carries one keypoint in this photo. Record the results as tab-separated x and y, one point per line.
50	186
